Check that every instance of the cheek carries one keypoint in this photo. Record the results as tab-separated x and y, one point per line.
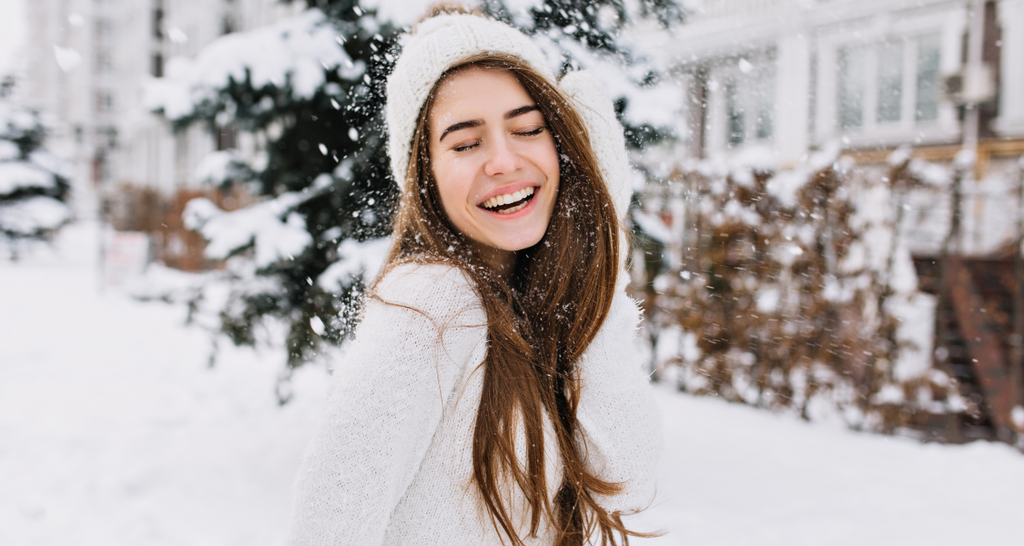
548	162
453	184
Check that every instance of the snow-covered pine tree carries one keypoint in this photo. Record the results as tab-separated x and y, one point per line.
300	256
34	184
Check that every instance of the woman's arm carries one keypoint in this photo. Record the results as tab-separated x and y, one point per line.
618	416
387	398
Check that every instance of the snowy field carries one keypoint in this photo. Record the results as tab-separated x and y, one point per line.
114	431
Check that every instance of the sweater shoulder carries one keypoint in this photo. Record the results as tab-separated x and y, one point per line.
438	291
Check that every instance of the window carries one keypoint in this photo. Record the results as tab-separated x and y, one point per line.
157	65
158	20
104	31
225	138
106	137
927	103
228	25
748	94
889	83
104	102
764	122
852	66
735	115
104	64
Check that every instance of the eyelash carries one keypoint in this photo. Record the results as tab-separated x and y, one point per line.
533	132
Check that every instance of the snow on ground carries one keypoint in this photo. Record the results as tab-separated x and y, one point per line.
113	431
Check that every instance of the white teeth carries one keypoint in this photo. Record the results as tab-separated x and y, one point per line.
513	209
509	198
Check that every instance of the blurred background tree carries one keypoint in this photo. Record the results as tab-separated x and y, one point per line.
33	183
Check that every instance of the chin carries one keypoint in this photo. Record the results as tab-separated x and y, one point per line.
521	243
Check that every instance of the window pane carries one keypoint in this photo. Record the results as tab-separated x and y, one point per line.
104	31
104	101
927	107
890	81
103	63
735	113
157	65
851	86
765	99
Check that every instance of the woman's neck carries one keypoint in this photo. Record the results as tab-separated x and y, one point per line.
502	262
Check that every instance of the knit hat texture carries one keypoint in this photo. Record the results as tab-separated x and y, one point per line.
445	41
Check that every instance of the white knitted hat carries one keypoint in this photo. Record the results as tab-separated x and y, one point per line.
445	41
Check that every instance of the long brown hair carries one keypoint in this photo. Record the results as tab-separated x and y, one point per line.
539	320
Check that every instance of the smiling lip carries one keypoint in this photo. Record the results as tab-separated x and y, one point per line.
506	189
525	210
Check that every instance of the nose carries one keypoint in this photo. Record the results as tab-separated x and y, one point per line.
502	157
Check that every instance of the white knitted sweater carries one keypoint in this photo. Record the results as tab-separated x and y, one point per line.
392	461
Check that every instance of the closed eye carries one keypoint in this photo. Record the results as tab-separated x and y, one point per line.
466	146
532	132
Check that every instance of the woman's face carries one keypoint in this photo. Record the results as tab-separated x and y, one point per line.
494	161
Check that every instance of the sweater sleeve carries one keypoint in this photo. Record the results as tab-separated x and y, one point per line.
412	348
619	419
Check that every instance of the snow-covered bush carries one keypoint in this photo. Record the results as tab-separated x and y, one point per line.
33	183
310	90
791	289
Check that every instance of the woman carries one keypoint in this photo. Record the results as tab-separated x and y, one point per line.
492	394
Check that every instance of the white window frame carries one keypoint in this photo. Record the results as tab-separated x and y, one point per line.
1011	108
871	33
763	74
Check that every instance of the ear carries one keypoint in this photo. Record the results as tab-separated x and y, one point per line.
606	134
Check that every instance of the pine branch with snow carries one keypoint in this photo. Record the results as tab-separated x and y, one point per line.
34	184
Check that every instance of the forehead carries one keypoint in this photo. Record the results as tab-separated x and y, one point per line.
477	93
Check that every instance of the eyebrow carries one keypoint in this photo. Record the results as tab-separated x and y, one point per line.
476	123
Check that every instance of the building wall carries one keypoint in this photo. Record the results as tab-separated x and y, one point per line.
800	50
88	61
1011	106
868	75
60	78
163	30
876	40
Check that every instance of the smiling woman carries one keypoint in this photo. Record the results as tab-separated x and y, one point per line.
492	394
496	167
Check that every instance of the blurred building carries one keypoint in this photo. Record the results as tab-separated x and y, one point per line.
85	67
794	75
